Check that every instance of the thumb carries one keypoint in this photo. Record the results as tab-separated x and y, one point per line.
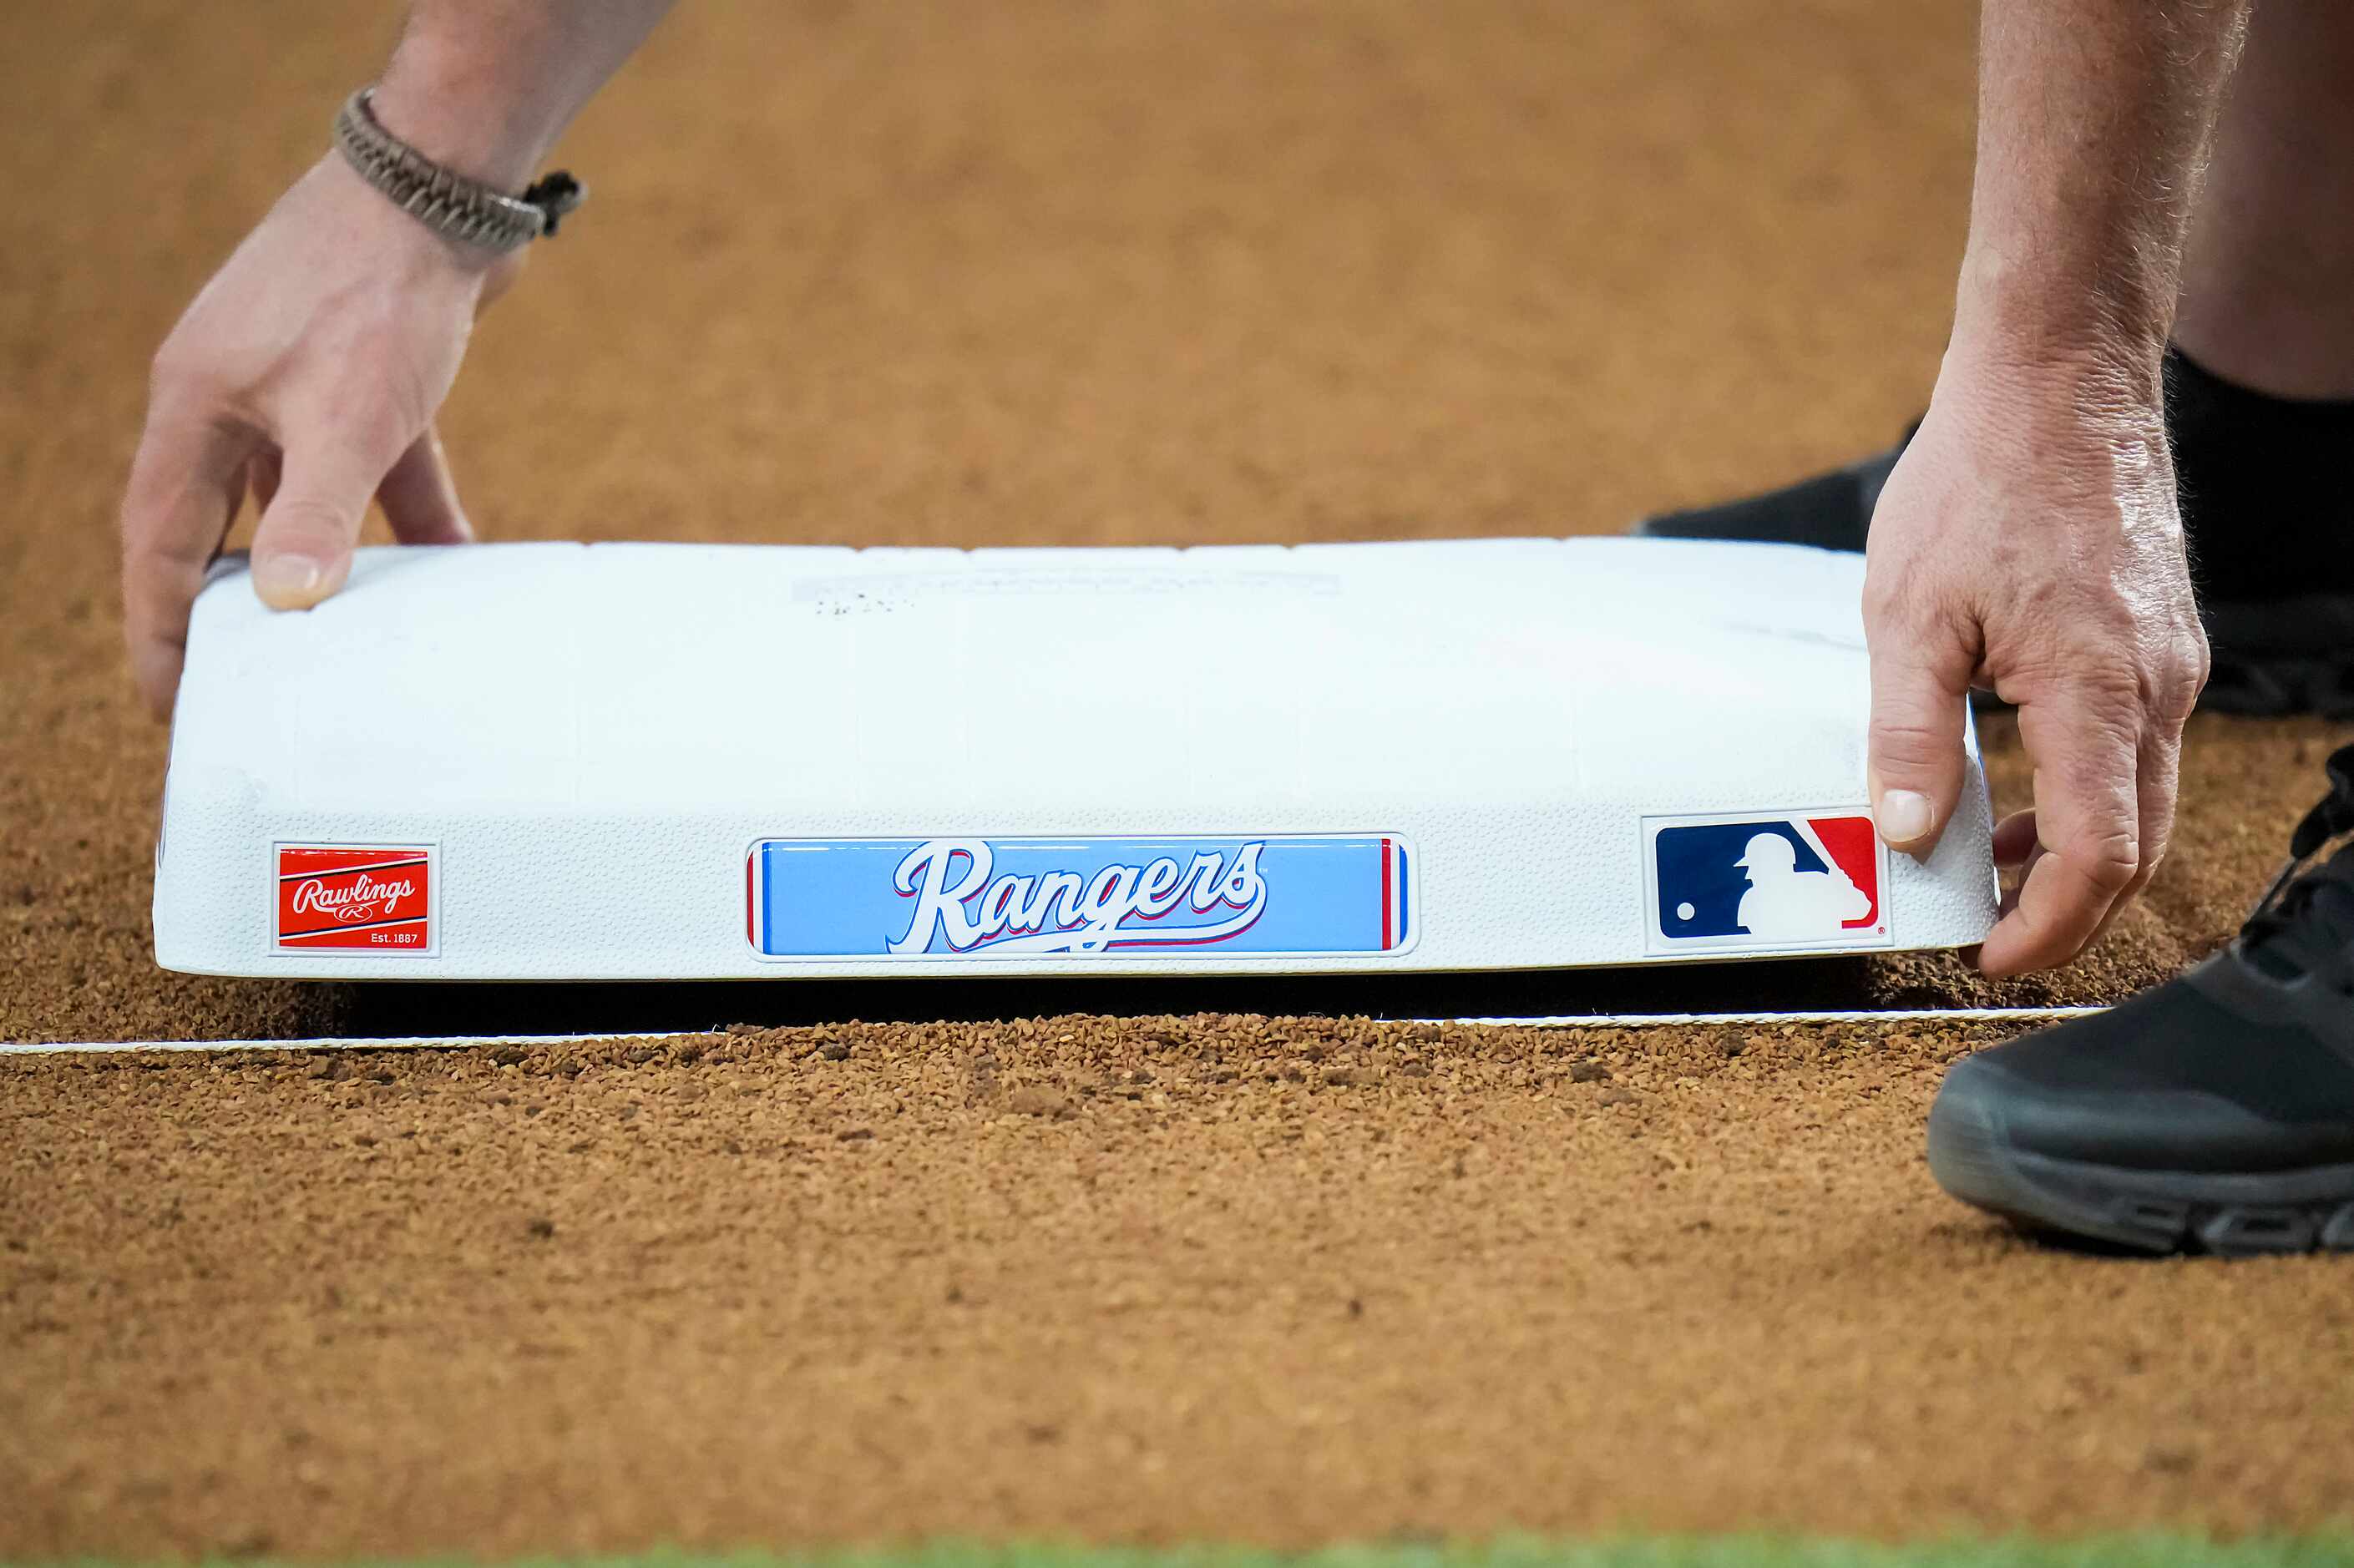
1915	770
302	546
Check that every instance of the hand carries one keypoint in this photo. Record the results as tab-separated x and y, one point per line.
2028	542
309	370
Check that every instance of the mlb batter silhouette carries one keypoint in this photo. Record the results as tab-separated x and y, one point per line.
1784	901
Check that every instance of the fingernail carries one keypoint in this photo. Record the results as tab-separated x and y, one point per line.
288	580
1903	816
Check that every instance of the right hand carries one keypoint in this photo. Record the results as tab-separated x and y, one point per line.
309	370
2030	543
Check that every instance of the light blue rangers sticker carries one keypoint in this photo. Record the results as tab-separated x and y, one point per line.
1270	896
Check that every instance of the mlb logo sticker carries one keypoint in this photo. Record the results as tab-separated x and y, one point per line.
1786	885
371	898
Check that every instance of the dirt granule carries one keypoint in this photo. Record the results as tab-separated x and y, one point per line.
1151	1278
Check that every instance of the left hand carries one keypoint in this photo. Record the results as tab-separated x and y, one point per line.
308	371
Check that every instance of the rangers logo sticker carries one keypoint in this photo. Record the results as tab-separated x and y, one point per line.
343	897
1801	884
994	898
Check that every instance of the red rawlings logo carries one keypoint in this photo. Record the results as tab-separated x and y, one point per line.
340	895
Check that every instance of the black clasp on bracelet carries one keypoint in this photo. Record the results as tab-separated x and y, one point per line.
555	194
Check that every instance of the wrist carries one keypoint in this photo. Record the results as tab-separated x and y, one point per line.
2045	316
397	237
2064	398
461	115
2062	420
444	199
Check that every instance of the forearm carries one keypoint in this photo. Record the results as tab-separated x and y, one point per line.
2094	118
486	86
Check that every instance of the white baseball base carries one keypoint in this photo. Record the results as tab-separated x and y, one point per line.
667	761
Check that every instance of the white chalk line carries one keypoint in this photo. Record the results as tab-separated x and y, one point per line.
1556	1021
342	1043
1708	1019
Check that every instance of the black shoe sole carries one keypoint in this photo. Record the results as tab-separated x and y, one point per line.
2231	1215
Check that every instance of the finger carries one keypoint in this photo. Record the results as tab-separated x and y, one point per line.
2088	821
1918	710
303	547
2014	840
2161	767
184	486
420	499
2160	779
2015	854
2009	900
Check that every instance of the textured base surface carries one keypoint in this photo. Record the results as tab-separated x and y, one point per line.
1360	758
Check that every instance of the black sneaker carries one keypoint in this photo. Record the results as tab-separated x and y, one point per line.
1832	511
2212	1113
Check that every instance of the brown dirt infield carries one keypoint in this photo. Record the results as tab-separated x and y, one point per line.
1033	273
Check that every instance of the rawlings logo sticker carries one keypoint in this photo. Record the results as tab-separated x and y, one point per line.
962	897
376	898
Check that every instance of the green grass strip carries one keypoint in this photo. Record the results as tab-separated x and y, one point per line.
2148	1550
2153	1550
